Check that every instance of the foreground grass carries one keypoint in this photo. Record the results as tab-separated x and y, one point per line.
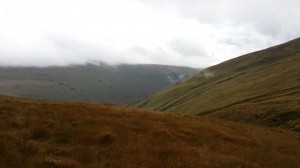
70	135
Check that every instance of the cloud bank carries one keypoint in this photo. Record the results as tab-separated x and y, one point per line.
196	33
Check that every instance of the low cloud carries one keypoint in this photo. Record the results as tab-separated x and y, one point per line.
188	48
196	33
208	74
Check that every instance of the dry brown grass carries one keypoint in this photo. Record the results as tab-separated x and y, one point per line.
71	135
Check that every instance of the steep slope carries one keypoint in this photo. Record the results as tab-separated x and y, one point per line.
96	83
70	135
269	75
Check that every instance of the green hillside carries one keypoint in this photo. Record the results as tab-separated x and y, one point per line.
90	83
251	82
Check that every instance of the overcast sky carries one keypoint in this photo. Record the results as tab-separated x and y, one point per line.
196	33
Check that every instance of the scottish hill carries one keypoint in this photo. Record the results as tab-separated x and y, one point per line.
102	83
261	87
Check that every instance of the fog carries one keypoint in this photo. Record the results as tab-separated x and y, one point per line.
195	33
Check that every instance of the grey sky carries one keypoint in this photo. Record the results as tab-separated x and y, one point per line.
195	33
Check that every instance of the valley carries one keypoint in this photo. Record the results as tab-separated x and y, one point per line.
102	83
244	112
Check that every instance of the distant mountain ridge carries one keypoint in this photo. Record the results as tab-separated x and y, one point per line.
261	87
101	83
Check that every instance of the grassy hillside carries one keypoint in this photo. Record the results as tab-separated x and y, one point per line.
282	111
246	84
90	83
70	135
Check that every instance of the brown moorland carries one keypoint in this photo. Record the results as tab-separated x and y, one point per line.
68	135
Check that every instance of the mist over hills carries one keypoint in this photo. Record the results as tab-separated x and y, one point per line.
252	91
118	84
261	87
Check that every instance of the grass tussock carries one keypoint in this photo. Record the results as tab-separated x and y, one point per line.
74	135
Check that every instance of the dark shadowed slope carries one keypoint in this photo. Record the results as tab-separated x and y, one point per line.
77	135
265	85
96	83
